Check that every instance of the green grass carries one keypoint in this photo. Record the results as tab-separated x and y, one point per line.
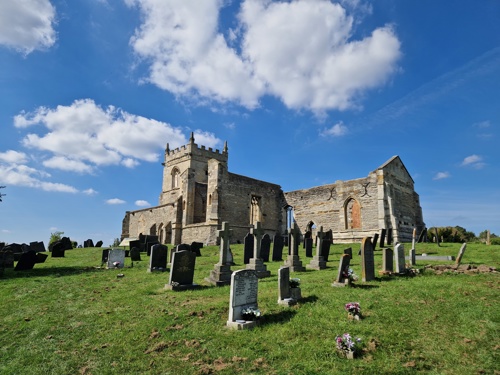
67	316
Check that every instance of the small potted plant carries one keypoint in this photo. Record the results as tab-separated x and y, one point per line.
116	264
295	291
353	310
250	313
348	346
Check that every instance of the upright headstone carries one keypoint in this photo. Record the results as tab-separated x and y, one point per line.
278	243
243	294
348	251
343	271
158	258
293	261
248	248
325	249
318	262
389	236
88	243
387	261
374	241
413	259
367	260
400	258
309	246
195	247
182	271
135	254
307	235
221	274
413	238
437	236
488	240
104	256
27	261
58	250
116	258
37	246
6	259
265	247
256	262
284	294
382	237
132	244
461	253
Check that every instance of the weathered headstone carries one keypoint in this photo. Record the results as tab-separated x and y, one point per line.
387	261
307	235
278	243
58	250
88	243
41	258
308	242
256	262
98	244
343	271
182	271
116	258
325	249
158	258
195	248
374	241
26	261
248	248
293	261
413	238
400	258
221	274
284	294
389	236
37	246
265	247
461	253
135	254
382	237
367	260
243	294
488	237
63	244
6	259
348	251
317	262
412	257
104	256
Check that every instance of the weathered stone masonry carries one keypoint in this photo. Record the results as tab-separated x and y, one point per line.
199	193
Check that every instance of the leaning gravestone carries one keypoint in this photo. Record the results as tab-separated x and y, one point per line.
265	247
182	271
278	244
195	247
98	244
104	256
389	236
284	294
387	261
41	258
348	251
37	246
116	258
382	237
158	258
400	258
343	278
135	254
26	261
461	253
367	260
248	248
244	292
374	241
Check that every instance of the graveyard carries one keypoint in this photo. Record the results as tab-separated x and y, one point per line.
83	314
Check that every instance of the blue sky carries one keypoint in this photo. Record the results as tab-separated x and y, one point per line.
304	92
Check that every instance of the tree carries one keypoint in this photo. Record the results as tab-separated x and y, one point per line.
116	242
2	195
54	237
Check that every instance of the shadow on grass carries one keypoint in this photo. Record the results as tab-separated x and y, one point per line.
49	271
277	318
364	286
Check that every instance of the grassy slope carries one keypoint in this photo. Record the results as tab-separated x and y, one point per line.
68	317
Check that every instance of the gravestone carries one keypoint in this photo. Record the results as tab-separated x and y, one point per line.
308	242
221	274
374	241
265	247
293	261
58	250
255	263
412	257
284	294
98	244
387	261
6	259
248	248
63	244
150	244
116	258
195	248
343	271
158	258
423	236
400	258
413	238
180	247
88	243
317	262
135	254
134	243
367	260
325	249
182	271
41	258
307	235
278	243
348	251
104	256
389	236
37	246
382	237
26	261
461	253
230	258
243	294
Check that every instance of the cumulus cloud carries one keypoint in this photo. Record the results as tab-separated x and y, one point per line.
115	201
89	191
142	203
84	135
474	161
13	157
27	25
442	175
301	52
336	130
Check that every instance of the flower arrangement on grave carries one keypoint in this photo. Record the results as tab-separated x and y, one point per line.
353	310
250	313
294	283
116	264
349	274
348	345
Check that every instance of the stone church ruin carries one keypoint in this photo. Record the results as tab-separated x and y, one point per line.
199	193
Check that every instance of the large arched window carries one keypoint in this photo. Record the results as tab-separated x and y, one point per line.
175	178
352	214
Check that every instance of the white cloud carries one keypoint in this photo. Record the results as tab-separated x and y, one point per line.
27	25
115	201
336	130
142	203
442	175
298	51
474	161
13	157
89	191
84	135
